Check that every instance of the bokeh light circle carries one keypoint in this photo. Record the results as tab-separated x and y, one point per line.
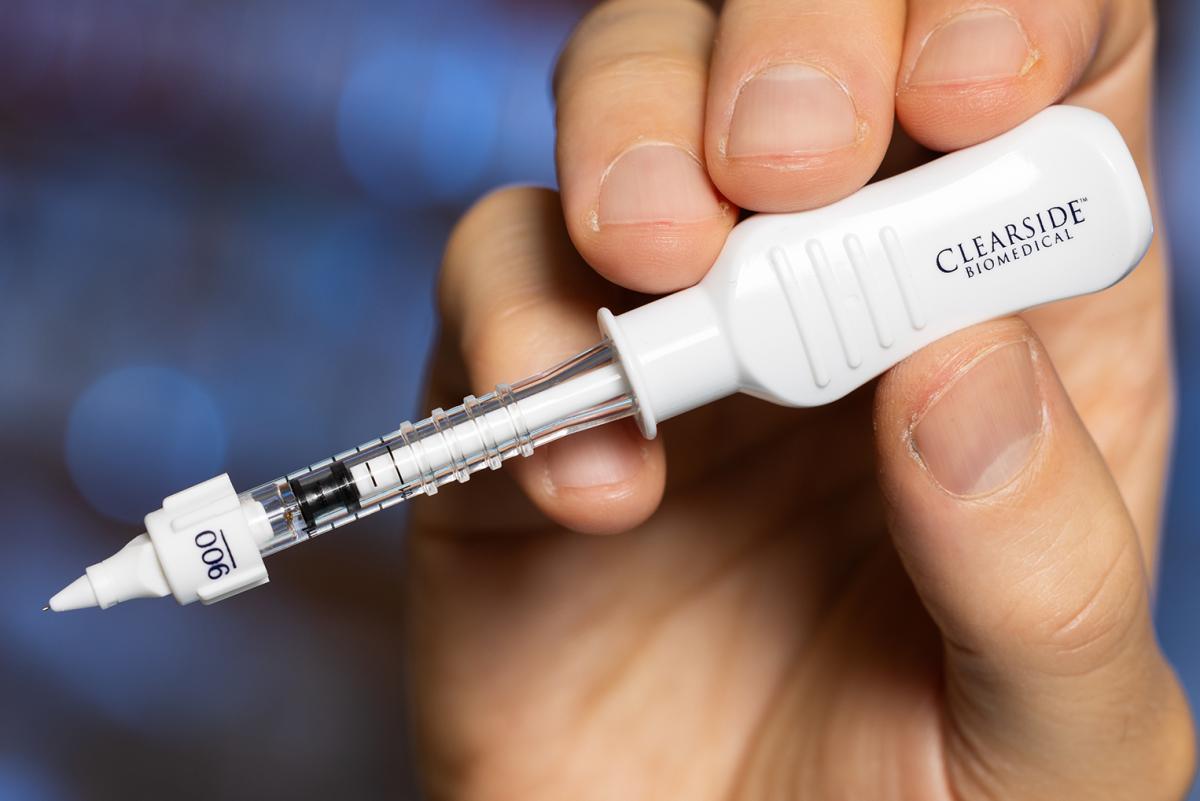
414	122
460	125
28	781
378	122
139	434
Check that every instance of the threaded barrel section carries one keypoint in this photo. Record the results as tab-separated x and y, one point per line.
448	446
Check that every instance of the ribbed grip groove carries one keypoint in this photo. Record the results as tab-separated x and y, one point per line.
508	402
491	452
458	461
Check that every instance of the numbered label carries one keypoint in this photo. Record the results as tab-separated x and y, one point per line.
215	553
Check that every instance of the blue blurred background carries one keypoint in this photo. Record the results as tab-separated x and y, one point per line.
219	228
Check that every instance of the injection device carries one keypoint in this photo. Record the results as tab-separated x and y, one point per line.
799	310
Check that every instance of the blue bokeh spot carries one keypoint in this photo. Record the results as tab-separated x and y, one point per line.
139	434
461	124
20	781
414	122
377	126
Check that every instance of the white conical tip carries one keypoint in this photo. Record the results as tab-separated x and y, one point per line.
76	595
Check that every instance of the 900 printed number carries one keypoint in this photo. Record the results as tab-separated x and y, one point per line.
214	555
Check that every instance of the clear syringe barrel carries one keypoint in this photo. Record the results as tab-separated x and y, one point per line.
584	391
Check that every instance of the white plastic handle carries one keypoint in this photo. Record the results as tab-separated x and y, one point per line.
801	309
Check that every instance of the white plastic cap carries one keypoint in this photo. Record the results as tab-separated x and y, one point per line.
198	547
204	543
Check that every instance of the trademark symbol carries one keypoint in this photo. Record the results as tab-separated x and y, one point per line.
1083	200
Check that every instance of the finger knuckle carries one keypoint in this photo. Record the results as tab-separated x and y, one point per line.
650	70
621	38
472	242
629	14
1108	610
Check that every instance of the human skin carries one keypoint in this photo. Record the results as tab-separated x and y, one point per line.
938	588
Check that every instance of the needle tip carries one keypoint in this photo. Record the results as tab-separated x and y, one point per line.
45	609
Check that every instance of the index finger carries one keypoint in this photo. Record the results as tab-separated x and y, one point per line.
639	205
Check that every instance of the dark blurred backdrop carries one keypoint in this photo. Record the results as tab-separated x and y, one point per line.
219	228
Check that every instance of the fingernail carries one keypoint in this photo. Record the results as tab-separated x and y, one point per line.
789	110
656	183
975	45
597	458
982	431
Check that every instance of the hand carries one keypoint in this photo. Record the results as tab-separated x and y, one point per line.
938	588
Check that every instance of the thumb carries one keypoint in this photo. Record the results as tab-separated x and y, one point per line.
1022	551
